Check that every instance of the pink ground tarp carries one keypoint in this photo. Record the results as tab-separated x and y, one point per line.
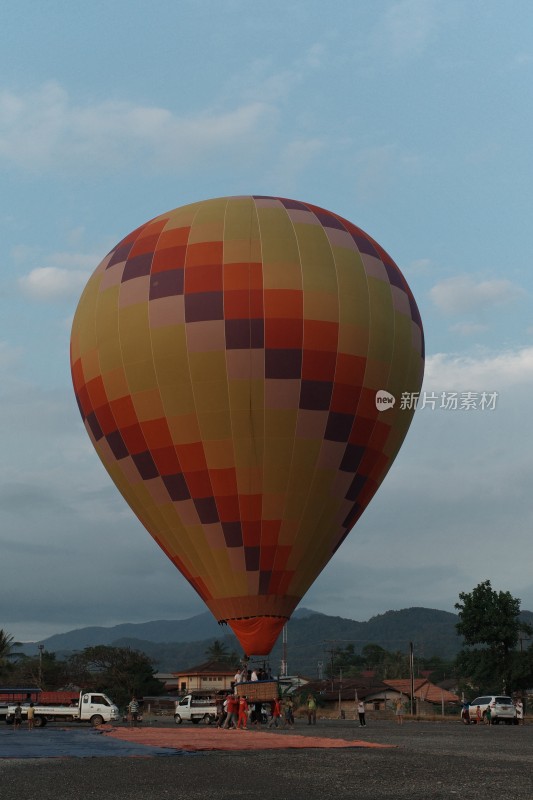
195	739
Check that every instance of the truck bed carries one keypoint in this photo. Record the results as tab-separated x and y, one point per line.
49	711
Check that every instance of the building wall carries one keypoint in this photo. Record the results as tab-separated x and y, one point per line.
212	683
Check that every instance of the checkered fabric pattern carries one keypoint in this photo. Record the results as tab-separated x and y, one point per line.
225	358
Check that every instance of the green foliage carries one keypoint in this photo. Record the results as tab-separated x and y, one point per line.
345	660
218	651
45	671
438	668
118	671
489	617
7	643
490	623
385	664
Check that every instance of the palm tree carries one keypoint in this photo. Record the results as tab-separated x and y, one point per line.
7	643
218	651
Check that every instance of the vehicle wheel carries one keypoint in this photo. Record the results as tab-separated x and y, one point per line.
195	721
96	720
39	722
495	721
177	719
207	719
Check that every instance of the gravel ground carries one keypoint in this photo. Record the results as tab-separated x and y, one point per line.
430	760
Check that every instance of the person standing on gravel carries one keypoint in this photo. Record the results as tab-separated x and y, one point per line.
242	721
311	710
233	711
276	714
133	712
17	717
361	713
31	716
399	710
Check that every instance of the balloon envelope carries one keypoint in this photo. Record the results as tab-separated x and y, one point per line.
226	357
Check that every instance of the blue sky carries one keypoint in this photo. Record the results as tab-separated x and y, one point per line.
414	120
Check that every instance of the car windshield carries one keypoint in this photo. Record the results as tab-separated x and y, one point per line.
503	701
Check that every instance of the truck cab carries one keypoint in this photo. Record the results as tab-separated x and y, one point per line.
97	708
193	708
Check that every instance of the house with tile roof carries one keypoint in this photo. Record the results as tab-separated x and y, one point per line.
211	676
428	698
339	698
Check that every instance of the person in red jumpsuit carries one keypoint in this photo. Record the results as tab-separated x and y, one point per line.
276	714
243	714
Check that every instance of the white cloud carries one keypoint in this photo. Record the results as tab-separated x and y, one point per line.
463	293
263	79
44	130
469	328
486	372
53	283
407	27
71	260
420	264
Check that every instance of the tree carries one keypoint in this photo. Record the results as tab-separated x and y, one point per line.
118	671
490	618
374	655
346	661
44	671
218	651
436	668
7	643
385	664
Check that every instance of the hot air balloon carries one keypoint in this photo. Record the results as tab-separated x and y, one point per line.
226	358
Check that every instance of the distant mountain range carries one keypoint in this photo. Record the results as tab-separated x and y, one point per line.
311	636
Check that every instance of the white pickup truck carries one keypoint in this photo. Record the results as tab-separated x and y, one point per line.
93	707
195	709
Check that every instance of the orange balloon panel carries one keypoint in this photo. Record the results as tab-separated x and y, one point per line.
226	358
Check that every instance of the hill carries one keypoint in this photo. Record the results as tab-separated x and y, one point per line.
193	629
177	644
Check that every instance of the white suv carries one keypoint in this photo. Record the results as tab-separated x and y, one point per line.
501	707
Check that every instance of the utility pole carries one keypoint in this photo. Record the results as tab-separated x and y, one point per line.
340	693
284	669
332	653
41	648
412	676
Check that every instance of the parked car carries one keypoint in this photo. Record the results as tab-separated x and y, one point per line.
501	707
